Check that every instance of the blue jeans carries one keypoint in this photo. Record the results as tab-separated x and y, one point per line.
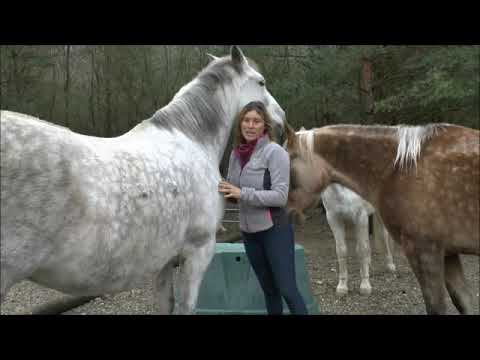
272	256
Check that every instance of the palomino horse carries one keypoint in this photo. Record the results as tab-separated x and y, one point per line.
347	215
90	216
424	181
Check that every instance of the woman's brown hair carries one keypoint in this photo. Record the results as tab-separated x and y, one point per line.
260	108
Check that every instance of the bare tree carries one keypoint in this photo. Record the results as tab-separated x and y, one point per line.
366	86
167	70
67	85
1	77
53	86
108	91
91	97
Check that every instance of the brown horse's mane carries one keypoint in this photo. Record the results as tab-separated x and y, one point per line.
410	138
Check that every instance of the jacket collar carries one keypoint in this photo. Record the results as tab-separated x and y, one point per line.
264	140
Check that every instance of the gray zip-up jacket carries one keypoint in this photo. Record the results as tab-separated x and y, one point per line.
264	183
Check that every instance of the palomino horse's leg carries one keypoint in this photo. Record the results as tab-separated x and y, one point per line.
197	258
338	229
427	262
389	246
363	253
456	285
163	290
380	229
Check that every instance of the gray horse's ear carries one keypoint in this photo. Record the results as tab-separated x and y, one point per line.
302	129
237	56
212	57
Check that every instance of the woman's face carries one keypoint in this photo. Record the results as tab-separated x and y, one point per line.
252	126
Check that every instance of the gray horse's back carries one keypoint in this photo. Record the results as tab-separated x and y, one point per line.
35	165
345	202
57	214
31	168
82	213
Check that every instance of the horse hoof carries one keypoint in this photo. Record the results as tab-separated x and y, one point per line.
342	291
365	290
391	268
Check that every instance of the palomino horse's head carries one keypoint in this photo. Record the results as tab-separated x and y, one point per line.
308	173
251	86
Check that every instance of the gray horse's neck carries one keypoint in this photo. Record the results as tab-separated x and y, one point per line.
203	115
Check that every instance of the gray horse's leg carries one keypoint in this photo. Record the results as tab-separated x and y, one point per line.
364	254
197	258
427	262
338	229
163	290
456	285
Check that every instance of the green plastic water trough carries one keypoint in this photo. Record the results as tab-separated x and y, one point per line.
230	286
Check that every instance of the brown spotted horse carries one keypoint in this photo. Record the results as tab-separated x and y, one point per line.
423	180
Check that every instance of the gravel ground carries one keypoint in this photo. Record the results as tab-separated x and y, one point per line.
393	294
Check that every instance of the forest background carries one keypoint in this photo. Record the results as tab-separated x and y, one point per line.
105	90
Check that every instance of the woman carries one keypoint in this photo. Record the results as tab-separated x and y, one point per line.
258	178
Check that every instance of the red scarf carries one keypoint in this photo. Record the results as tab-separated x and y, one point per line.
244	151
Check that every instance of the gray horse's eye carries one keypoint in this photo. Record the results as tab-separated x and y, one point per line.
261	83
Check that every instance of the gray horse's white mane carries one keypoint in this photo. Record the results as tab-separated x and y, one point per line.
193	112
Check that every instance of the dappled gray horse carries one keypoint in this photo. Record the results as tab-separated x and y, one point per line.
89	216
347	215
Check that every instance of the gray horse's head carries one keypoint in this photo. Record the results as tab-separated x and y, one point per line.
255	88
234	81
251	85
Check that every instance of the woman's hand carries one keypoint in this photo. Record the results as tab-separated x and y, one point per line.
230	191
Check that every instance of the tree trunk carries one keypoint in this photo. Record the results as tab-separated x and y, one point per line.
179	72
366	87
67	86
54	92
326	112
287	58
146	77
108	93
167	69
91	98
99	125
149	73
16	79
1	77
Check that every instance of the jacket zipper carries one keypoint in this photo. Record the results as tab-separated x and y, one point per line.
240	181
